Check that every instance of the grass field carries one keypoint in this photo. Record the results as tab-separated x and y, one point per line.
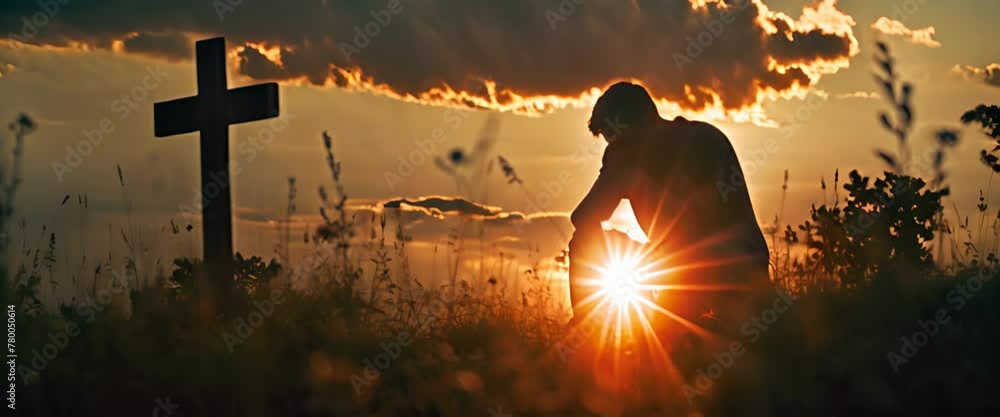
865	317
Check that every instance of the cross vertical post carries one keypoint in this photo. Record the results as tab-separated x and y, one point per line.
217	218
211	112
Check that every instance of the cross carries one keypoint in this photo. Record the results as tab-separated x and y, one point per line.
211	112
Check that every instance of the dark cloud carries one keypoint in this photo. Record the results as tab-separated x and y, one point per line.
456	205
548	231
533	50
256	65
525	240
170	46
432	218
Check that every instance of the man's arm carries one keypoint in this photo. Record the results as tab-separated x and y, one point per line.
586	247
600	202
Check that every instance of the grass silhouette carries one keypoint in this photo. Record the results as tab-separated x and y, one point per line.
316	334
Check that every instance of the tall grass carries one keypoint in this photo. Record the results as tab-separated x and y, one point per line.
862	268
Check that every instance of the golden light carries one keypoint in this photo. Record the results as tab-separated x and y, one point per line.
641	296
620	282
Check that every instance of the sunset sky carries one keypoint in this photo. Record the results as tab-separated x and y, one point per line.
793	70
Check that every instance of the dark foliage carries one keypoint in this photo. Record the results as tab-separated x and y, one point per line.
250	274
883	225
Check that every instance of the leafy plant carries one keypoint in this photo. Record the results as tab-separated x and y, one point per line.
884	225
250	275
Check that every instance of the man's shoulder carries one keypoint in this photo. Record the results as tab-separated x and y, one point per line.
707	134
704	129
680	131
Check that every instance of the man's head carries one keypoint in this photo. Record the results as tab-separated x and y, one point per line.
622	106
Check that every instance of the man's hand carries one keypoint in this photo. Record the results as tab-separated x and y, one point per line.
620	242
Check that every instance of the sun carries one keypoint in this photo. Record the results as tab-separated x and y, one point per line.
642	293
626	307
621	282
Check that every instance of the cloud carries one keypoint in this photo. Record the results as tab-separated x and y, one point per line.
432	225
989	75
254	215
169	46
457	205
430	220
925	36
535	55
6	69
864	95
440	224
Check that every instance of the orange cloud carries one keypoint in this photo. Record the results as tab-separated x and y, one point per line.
722	58
925	36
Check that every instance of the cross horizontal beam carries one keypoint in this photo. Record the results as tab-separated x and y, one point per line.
244	104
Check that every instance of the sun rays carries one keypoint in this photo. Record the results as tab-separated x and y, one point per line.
636	293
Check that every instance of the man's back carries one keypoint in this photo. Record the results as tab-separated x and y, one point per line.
670	176
669	170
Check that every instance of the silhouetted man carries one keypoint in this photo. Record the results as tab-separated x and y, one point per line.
669	170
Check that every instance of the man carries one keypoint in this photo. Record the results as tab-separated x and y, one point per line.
669	170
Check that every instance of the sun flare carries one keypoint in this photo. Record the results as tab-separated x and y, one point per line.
620	281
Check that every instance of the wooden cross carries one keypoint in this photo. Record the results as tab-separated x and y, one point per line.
211	112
